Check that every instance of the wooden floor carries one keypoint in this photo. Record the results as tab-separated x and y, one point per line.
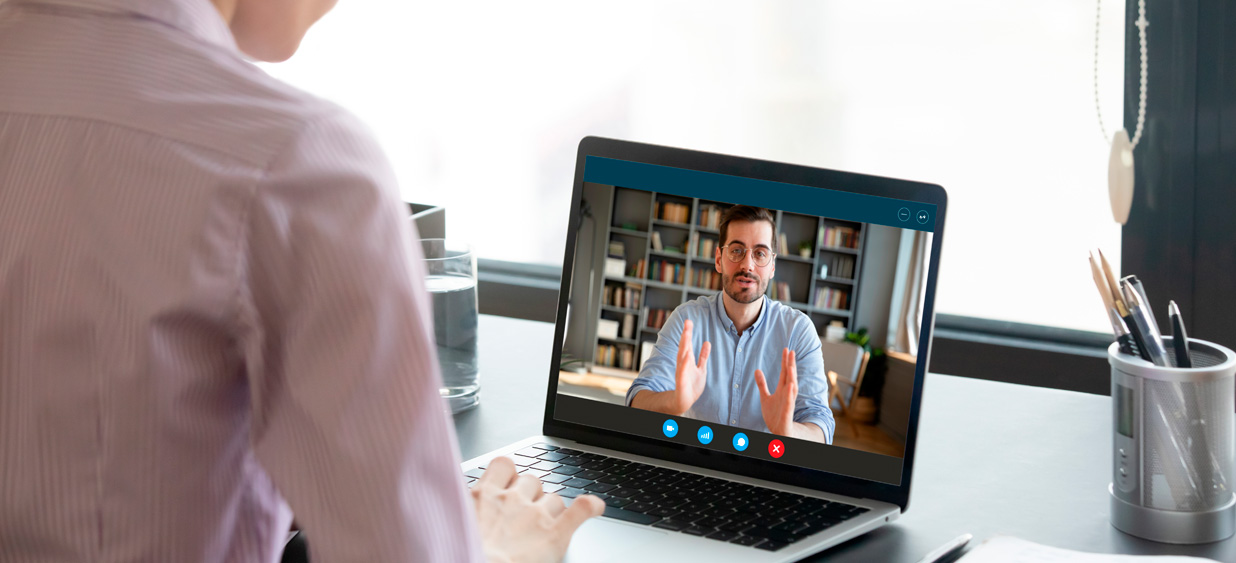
865	437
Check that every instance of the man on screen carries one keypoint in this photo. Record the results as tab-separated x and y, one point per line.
752	335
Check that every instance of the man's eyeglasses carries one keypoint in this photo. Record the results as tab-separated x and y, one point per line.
737	252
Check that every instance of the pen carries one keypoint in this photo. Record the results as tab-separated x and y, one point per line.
1122	310
1151	340
1127	346
944	550
1136	284
1180	339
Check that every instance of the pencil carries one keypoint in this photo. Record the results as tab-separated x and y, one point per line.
1101	283
1119	328
1112	286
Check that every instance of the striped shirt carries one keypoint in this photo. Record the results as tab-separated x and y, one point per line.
212	308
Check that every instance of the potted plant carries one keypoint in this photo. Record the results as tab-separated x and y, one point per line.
804	249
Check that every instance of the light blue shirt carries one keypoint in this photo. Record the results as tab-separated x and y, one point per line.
730	395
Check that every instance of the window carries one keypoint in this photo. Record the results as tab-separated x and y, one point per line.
479	106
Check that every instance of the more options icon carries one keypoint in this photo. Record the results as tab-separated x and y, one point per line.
670	428
704	434
741	441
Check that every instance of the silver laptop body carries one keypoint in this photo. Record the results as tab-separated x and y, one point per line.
895	203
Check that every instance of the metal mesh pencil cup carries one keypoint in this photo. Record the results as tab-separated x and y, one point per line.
1172	454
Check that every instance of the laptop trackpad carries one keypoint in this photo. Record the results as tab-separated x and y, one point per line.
600	540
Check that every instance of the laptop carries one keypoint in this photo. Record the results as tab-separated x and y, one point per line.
852	252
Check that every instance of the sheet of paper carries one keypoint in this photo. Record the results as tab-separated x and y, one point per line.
1008	549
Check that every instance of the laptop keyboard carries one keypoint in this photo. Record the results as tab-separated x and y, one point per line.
678	501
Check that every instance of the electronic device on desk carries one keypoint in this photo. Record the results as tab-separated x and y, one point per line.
1172	422
1173	441
698	486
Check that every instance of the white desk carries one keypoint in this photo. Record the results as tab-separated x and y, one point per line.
993	458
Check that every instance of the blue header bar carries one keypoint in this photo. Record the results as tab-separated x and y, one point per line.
808	200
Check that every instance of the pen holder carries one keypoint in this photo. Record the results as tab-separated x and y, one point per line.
1172	450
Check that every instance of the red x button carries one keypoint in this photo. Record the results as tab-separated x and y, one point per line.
776	448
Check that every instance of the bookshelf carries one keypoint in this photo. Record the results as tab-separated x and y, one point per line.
660	255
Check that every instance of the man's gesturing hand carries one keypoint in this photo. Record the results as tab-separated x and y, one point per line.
518	522
690	377
778	408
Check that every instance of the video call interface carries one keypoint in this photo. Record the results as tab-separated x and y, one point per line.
789	338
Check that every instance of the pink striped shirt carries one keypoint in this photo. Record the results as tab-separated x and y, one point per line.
210	302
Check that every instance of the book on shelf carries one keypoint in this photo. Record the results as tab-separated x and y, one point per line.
703	248
655	318
628	326
779	291
668	272
837	237
617	356
623	297
673	212
656	240
639	270
709	217
831	298
617	249
783	245
704	279
838	266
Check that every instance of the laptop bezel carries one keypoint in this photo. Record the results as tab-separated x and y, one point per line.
898	494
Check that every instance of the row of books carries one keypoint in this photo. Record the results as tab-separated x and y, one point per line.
779	291
838	266
655	318
617	356
625	297
674	212
837	236
710	216
831	298
704	279
702	247
667	272
638	270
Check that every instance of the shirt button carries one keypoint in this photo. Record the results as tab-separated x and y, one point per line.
740	348
732	421
736	386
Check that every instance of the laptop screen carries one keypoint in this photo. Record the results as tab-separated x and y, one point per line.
764	319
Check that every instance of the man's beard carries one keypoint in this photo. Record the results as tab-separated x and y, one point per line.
744	295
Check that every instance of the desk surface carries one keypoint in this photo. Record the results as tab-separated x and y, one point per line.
993	458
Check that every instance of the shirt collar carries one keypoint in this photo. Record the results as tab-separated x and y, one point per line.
198	18
728	323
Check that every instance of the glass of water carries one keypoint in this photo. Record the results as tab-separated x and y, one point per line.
451	281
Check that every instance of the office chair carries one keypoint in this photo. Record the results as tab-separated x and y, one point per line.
845	364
